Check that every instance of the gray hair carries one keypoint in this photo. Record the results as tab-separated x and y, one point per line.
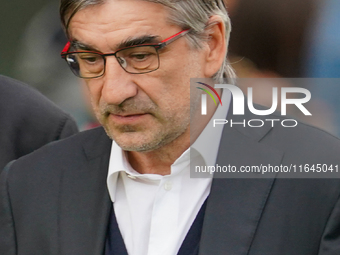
193	14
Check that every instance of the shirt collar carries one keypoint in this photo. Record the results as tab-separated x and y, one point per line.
119	163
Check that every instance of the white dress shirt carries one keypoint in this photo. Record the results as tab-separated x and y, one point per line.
154	212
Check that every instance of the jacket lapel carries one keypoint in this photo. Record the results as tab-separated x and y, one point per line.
235	204
84	200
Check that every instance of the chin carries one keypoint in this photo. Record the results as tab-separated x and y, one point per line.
143	141
138	145
134	140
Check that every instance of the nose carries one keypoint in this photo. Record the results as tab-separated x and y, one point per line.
118	85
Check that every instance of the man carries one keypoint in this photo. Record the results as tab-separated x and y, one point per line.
134	195
28	121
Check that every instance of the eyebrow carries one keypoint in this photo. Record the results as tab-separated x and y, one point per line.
129	42
81	46
134	41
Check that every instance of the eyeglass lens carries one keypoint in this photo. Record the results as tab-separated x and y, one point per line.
139	59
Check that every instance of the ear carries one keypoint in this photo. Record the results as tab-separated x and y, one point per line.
216	45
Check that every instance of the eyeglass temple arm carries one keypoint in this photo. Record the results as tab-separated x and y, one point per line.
163	43
173	38
66	48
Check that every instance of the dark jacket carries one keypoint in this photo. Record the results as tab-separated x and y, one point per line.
55	201
28	120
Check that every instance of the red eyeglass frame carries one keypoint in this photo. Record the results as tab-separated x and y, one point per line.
158	46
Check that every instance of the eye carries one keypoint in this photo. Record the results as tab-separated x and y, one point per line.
89	58
140	56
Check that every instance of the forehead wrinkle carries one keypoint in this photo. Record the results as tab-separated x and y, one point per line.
131	17
113	29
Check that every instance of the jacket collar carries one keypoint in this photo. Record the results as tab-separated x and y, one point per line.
84	200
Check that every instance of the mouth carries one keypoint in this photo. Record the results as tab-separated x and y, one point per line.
129	115
131	118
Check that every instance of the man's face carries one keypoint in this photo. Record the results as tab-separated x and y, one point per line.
141	112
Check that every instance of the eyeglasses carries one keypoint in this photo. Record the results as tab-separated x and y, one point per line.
137	59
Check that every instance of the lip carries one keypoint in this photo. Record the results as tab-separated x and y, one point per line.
128	118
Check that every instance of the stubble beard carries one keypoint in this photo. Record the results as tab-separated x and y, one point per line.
168	126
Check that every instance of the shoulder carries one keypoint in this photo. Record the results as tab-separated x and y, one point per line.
301	145
17	96
285	133
89	143
51	160
28	120
22	104
303	138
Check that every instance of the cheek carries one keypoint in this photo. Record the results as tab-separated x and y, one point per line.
178	83
94	95
94	88
171	91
